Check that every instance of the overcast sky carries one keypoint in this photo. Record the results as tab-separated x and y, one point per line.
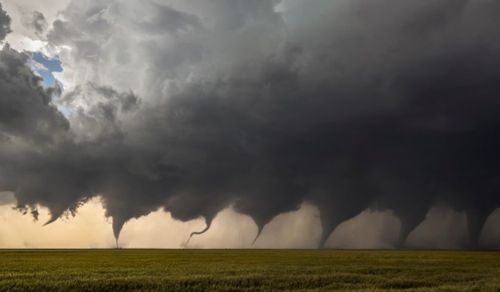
235	123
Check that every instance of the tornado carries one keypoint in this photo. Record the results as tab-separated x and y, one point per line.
348	105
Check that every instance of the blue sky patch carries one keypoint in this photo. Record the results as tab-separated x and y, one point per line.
46	67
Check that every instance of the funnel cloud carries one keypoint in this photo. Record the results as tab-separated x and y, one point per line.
351	106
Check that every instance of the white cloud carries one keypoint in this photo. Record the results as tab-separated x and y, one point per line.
22	37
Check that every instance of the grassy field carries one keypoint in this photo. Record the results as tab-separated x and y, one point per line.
222	270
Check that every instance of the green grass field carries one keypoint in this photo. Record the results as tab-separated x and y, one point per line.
222	270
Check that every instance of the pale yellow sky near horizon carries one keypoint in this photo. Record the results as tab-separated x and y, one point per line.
301	229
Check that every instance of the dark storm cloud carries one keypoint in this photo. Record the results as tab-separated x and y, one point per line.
388	105
4	23
7	199
25	109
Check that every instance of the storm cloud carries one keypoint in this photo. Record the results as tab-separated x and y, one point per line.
195	106
4	24
37	22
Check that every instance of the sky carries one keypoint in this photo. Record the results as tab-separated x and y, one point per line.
46	67
249	124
